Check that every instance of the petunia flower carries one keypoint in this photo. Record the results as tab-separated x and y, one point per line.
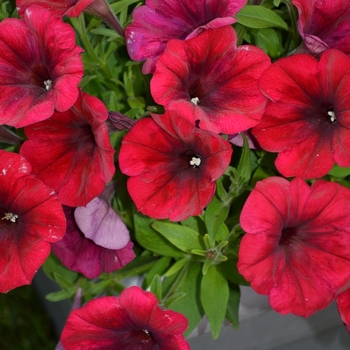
31	217
210	79
296	246
73	8
107	250
172	165
159	21
70	8
324	24
40	67
343	303
71	151
132	321
307	117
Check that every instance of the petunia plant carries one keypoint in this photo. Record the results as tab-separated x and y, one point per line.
157	155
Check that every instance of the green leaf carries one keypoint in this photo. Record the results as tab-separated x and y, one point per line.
229	270
61	295
214	297
260	17
157	269
180	236
53	266
233	305
270	41
190	306
106	32
152	240
172	299
338	171
86	79
244	168
176	267
196	223
100	287
121	5
156	287
215	215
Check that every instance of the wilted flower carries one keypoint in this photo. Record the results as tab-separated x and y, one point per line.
132	321
71	151
40	67
211	80
106	249
324	24
307	117
31	217
172	165
162	20
296	246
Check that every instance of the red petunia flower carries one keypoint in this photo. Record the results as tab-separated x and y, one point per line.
211	80
173	166
40	67
132	321
71	151
161	20
307	117
84	255
73	8
324	24
343	303
70	8
31	217
296	246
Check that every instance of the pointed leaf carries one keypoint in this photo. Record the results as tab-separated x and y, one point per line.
182	237
153	240
214	297
244	166
233	305
215	215
190	306
254	16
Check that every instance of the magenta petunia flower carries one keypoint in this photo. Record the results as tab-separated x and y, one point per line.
108	250
211	80
40	67
172	165
296	246
31	218
162	20
132	321
324	24
70	8
307	117
71	151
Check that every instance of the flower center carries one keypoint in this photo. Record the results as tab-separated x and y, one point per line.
10	217
195	162
195	100
47	84
288	236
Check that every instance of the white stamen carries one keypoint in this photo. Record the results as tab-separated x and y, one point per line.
332	118
195	100
195	162
11	217
48	84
